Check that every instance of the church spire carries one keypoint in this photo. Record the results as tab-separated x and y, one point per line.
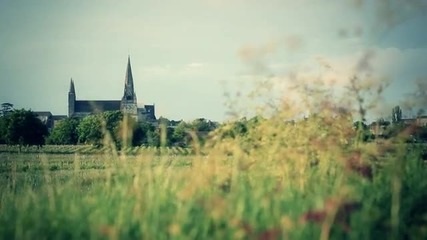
129	95
72	89
71	99
129	89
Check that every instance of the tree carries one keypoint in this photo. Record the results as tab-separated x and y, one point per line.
65	132
89	130
163	120
140	133
2	130
383	122
113	124
202	125
139	136
180	136
363	131
93	128
360	125
153	138
396	115
112	120
238	128
22	127
130	132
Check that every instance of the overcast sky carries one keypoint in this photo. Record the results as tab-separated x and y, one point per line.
186	54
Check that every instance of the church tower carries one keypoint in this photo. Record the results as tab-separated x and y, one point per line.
129	104
71	99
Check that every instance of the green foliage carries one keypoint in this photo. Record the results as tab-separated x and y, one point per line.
166	134
363	132
90	130
124	131
145	133
2	130
240	128
383	122
202	125
93	129
164	121
65	132
153	137
180	135
112	120
22	127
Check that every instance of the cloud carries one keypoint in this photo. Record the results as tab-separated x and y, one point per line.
251	53
195	65
384	76
191	69
177	70
157	70
402	65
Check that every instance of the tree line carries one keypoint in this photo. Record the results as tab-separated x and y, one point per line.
23	128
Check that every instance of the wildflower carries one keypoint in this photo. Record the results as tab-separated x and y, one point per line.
341	210
355	164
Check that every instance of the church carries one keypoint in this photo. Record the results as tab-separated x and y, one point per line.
128	103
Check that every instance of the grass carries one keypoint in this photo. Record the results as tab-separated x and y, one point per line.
217	195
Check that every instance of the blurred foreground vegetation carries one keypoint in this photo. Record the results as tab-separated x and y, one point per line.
314	178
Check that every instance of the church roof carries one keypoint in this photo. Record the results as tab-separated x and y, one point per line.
97	106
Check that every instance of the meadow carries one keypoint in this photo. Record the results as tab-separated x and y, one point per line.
298	184
288	163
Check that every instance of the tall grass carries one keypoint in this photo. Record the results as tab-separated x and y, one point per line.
278	180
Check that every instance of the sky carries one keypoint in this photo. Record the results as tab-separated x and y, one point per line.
187	55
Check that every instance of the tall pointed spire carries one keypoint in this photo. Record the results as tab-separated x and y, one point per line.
129	89
72	89
71	99
129	95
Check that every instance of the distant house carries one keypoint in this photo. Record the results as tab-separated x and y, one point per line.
57	118
379	128
49	119
46	118
409	121
421	121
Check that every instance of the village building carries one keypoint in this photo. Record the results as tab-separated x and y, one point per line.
48	119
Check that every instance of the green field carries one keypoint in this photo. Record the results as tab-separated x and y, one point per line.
215	195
